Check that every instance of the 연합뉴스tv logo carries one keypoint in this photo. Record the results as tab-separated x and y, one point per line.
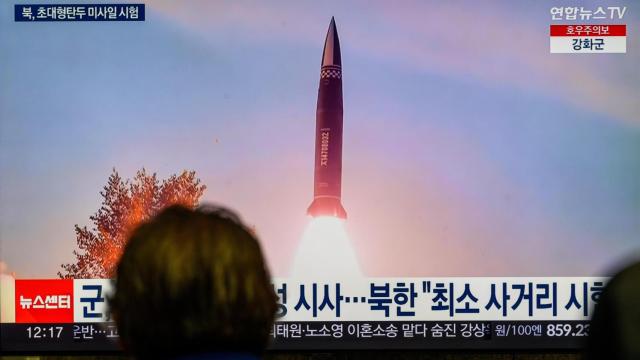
585	30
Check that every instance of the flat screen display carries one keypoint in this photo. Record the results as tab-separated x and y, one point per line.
421	175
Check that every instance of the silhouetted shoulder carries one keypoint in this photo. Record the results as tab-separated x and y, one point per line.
615	326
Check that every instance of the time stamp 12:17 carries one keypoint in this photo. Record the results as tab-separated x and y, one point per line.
44	332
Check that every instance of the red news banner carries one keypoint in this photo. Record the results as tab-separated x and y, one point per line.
44	301
588	39
367	313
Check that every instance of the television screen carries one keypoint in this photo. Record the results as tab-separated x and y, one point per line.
430	174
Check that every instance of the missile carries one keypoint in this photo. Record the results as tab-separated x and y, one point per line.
327	182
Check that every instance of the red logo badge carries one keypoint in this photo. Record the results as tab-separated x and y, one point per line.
44	301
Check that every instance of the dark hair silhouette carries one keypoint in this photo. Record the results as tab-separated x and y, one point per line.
615	326
192	281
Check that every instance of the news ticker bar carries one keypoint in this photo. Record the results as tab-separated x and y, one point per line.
369	299
327	335
78	12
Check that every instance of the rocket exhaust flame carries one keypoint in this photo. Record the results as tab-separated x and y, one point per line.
328	154
326	252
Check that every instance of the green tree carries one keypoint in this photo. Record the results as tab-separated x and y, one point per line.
125	204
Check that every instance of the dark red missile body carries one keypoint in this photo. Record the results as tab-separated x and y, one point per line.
327	191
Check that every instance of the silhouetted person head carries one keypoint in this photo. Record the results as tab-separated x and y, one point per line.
615	326
190	282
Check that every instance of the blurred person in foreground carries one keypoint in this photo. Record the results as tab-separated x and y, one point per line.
615	326
193	284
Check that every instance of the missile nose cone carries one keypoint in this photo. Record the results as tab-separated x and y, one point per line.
331	53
